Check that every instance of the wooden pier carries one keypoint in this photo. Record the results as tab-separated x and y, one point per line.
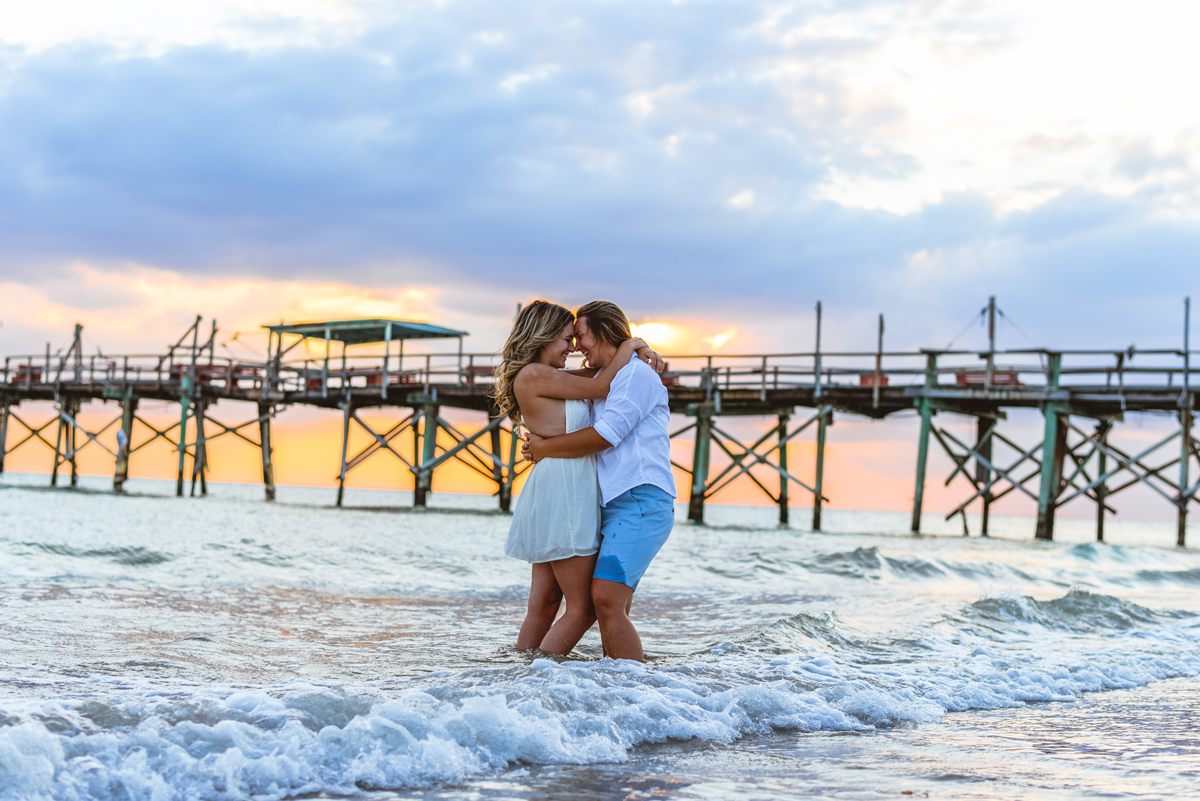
1081	394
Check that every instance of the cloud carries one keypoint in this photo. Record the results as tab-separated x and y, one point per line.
735	161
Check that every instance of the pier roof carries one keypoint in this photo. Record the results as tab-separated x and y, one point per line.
362	332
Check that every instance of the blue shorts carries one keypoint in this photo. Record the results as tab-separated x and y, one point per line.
633	527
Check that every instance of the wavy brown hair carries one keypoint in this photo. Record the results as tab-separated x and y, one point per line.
537	325
606	321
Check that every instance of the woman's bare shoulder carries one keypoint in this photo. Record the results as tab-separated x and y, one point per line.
532	372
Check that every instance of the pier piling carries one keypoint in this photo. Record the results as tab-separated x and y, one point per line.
265	410
926	410
783	466
700	453
823	422
124	442
4	408
423	479
1102	427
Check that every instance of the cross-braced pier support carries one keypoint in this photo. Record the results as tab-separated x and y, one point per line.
430	432
743	458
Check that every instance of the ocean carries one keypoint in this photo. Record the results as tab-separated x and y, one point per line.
227	648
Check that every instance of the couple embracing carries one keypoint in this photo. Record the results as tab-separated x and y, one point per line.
599	501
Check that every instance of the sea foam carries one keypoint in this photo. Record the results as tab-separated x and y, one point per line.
273	743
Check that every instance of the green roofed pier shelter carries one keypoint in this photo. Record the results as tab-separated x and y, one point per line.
372	331
368	381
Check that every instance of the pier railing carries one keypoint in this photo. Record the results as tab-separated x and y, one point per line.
1008	370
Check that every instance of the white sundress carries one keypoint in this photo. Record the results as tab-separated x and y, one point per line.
558	511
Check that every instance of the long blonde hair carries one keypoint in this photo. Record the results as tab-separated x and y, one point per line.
537	325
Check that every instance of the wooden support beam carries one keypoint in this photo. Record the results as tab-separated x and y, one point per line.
823	422
1102	428
1185	424
423	484
511	474
783	466
700	453
73	406
58	444
983	474
926	408
4	404
347	413
503	487
200	449
1053	450
124	442
185	407
266	450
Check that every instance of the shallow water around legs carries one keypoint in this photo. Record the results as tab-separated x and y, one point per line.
153	647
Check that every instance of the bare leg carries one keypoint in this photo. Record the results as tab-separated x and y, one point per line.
574	577
620	638
544	599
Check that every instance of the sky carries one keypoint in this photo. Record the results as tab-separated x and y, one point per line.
718	167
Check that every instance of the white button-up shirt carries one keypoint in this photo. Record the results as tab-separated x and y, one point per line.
634	419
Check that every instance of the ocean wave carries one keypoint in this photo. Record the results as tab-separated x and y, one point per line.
1078	610
126	555
309	740
859	563
1172	576
275	743
805	672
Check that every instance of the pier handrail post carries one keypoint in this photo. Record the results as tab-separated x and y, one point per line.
325	367
817	358
991	357
926	409
1185	425
387	352
878	367
700	452
1054	447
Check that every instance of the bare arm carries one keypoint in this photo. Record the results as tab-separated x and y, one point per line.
547	382
583	442
645	353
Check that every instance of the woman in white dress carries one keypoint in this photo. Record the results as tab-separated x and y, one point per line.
556	525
